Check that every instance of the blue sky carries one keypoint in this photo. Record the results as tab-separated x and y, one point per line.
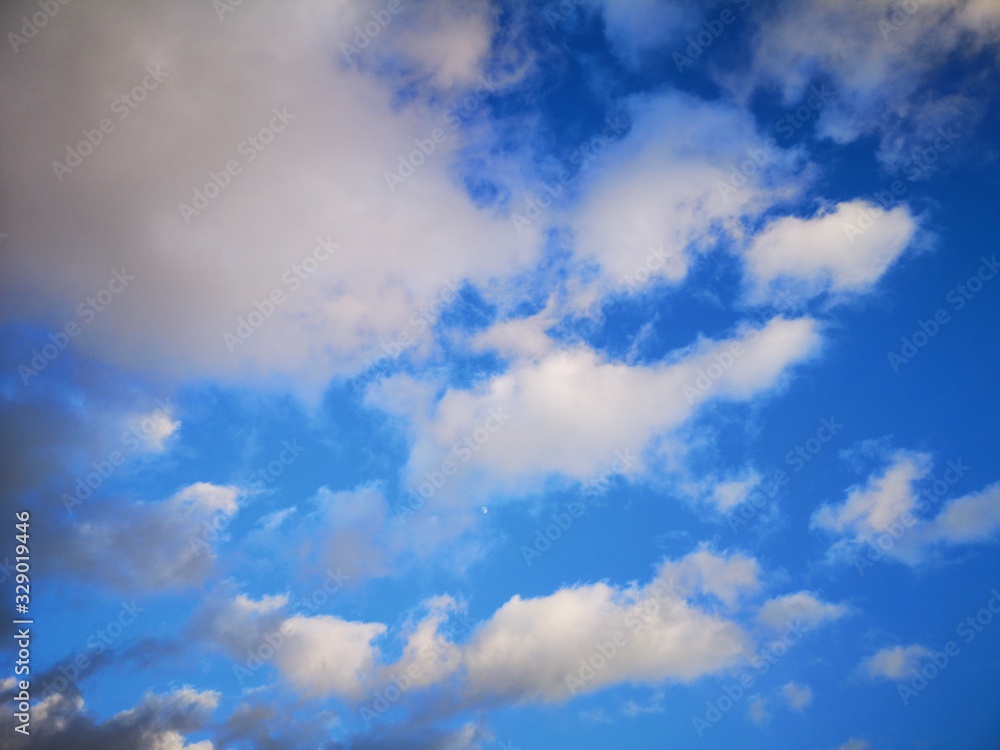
491	374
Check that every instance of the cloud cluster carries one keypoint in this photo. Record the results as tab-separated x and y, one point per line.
890	512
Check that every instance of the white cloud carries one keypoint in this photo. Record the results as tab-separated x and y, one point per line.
855	744
568	412
846	249
448	41
797	696
544	648
878	58
802	607
322	176
725	577
325	654
895	662
678	182
871	509
972	518
888	512
757	710
531	649
724	493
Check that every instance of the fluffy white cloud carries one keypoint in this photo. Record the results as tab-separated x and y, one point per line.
802	607
323	175
895	662
725	577
724	493
677	183
846	249
871	509
325	654
567	412
576	640
584	638
889	513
